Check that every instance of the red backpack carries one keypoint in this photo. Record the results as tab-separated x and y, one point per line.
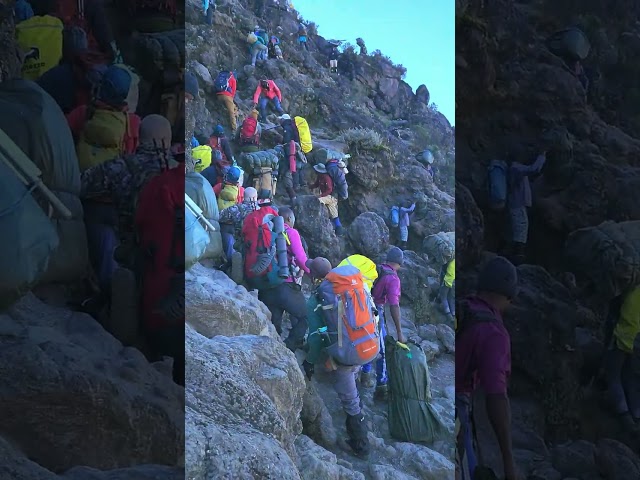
249	134
160	229
258	240
216	144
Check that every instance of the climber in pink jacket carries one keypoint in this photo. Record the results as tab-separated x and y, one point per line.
267	90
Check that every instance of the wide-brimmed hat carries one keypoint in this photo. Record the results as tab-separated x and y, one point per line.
320	168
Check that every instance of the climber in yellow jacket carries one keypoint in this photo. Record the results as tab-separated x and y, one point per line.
622	381
447	292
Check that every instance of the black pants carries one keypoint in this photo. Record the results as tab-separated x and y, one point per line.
169	341
287	297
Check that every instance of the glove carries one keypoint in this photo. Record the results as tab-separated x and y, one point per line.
309	369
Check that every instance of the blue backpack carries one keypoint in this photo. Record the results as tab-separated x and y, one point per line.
395	216
497	174
221	83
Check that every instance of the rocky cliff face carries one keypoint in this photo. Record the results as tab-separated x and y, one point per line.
245	392
512	93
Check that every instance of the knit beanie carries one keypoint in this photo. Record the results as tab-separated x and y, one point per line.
499	276
395	255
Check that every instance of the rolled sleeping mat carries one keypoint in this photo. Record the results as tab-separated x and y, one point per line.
281	247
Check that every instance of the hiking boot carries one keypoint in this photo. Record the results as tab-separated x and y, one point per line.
339	231
368	379
293	344
381	393
358	435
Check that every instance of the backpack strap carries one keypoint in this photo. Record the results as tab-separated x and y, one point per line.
468	317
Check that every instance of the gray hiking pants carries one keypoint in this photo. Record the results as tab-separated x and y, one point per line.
344	383
519	224
287	297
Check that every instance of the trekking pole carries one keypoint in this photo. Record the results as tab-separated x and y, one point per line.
28	173
197	212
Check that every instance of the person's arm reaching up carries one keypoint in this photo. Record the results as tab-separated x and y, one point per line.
532	169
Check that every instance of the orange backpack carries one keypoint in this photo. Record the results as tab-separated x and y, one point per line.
348	314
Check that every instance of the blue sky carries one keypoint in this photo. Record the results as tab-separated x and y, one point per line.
418	34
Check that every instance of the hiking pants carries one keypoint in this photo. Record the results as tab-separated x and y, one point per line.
208	18
464	442
622	384
331	203
404	233
287	297
169	341
519	224
230	105
100	223
228	239
333	64
381	364
447	298
264	101
256	51
344	383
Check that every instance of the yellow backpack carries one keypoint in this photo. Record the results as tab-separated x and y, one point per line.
228	196
304	133
366	266
40	37
202	153
102	138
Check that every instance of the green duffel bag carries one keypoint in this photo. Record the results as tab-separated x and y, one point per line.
411	416
257	160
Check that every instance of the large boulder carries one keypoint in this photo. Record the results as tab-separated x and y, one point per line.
251	421
211	306
369	234
314	462
313	223
616	461
316	419
73	395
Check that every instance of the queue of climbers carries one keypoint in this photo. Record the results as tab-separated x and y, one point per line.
260	247
125	158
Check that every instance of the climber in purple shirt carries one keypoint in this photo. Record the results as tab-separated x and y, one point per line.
483	359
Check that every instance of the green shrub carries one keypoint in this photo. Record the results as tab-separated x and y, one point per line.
363	139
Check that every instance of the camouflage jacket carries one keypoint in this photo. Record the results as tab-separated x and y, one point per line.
121	179
236	214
